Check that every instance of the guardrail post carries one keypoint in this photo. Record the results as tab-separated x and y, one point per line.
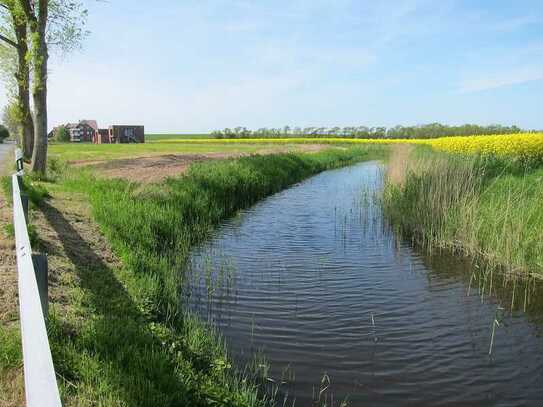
41	269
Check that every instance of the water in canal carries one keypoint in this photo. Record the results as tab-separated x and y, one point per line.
315	280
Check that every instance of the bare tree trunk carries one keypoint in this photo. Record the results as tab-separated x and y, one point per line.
27	125
23	83
39	89
39	94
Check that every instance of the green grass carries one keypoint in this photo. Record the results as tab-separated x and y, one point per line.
89	152
10	351
11	359
126	340
163	136
483	207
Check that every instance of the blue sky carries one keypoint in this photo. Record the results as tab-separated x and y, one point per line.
191	66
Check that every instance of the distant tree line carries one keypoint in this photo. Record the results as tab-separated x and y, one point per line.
422	131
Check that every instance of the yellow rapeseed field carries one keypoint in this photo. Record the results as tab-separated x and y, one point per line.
519	145
525	145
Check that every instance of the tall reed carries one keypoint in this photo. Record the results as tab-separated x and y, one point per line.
482	206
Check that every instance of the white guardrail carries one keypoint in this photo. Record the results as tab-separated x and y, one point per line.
39	373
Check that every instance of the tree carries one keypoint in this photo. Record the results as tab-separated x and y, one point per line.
62	134
4	133
334	131
10	119
21	74
66	25
35	17
59	23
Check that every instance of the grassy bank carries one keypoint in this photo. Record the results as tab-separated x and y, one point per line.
482	206
118	333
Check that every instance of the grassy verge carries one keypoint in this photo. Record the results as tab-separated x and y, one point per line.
11	367
483	206
118	334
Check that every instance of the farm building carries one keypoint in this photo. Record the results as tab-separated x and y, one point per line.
101	136
82	131
120	134
79	132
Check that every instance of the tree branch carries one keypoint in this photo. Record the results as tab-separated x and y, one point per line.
10	42
28	9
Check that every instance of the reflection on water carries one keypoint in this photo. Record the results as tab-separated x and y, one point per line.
315	280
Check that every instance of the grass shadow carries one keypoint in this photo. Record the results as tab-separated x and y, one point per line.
111	346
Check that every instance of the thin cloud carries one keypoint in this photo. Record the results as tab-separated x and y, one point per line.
515	77
517	23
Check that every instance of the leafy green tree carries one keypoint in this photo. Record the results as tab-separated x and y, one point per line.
28	28
14	37
10	119
62	134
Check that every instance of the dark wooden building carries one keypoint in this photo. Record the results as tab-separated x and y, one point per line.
120	134
127	134
101	136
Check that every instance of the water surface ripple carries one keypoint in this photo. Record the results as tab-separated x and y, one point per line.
314	279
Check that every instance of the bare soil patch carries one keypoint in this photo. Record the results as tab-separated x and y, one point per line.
156	168
9	313
12	388
8	275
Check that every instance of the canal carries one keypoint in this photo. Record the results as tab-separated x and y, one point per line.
341	307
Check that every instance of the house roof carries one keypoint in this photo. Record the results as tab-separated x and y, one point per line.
91	123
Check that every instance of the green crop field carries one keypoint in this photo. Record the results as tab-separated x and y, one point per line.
87	151
167	136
